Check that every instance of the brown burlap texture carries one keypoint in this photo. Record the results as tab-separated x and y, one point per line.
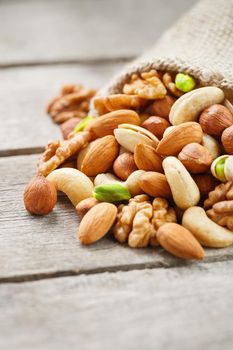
200	43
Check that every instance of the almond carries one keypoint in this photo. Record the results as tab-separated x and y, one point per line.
97	222
100	156
105	124
179	136
155	184
147	159
180	242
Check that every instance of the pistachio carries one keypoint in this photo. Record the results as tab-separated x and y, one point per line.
222	168
184	82
111	192
83	123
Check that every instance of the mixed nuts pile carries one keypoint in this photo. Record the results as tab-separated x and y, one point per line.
154	168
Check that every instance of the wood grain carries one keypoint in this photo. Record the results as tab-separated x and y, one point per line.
24	94
43	247
56	31
172	309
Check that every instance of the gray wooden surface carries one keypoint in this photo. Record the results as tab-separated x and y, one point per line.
178	308
113	297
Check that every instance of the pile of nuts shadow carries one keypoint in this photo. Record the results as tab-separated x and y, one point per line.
154	168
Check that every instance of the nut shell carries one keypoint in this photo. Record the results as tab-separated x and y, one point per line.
124	165
40	196
215	119
196	158
227	139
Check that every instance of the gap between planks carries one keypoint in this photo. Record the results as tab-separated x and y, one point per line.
111	269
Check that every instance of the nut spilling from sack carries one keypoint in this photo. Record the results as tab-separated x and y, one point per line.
154	169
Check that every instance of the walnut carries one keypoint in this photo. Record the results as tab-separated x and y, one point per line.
220	205
138	221
126	214
161	215
73	102
55	154
142	228
170	85
147	86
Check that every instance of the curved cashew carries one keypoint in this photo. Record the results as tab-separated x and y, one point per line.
184	189
188	107
76	185
205	230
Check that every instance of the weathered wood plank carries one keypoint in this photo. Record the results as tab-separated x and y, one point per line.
179	309
82	30
24	92
40	247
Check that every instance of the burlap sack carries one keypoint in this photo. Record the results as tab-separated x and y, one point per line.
200	43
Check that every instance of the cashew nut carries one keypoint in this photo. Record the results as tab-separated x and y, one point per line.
184	189
106	178
212	145
76	185
205	230
188	107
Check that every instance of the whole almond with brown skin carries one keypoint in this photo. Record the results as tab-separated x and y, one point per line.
40	196
85	205
156	125
68	126
196	158
179	136
100	156
215	119
206	183
180	242
105	124
124	165
97	222
147	159
162	107
227	139
155	184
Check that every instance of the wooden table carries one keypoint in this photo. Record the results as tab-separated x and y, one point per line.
54	293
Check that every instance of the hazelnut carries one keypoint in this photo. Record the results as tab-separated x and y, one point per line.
162	107
40	196
206	183
156	125
68	126
227	139
124	165
196	158
215	119
85	205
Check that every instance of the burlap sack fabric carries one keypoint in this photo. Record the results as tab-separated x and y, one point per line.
200	43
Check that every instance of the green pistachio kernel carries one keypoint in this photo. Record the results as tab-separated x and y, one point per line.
83	123
111	192
219	169
184	82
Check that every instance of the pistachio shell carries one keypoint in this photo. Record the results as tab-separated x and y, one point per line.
213	168
228	170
